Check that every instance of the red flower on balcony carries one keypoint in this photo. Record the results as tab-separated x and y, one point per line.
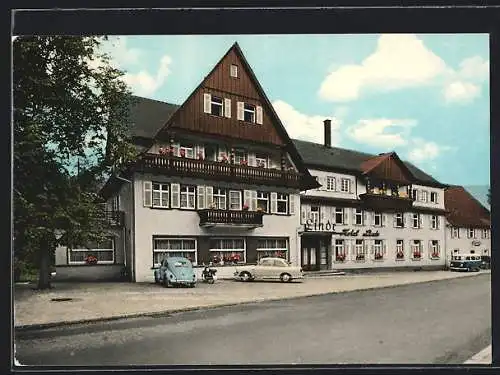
417	254
435	255
223	158
182	153
379	256
235	258
244	162
90	259
162	151
360	257
245	207
400	255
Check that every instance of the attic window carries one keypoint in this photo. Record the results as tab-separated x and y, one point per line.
234	71
249	113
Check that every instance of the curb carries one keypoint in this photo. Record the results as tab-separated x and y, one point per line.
481	358
36	327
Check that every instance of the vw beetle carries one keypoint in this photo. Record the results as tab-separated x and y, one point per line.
175	271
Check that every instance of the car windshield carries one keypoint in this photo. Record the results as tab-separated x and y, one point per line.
181	264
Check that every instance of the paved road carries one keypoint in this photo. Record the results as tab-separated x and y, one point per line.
439	322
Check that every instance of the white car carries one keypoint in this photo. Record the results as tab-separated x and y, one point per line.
269	269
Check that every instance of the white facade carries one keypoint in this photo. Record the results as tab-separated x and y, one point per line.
467	240
336	202
151	223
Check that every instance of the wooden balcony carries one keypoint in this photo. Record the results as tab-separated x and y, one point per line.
223	218
113	219
383	202
176	166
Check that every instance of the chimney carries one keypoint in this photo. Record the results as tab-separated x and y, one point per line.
328	133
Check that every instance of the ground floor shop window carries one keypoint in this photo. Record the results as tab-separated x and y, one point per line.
227	251
173	247
359	249
272	247
340	250
94	252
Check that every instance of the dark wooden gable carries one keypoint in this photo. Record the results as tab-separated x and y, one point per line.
245	88
388	167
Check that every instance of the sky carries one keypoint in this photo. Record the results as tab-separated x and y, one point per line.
424	96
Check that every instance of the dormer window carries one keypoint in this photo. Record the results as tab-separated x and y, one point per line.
216	106
234	71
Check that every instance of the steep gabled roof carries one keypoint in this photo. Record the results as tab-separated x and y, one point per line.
289	145
464	210
316	155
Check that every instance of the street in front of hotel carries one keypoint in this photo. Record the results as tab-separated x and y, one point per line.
441	322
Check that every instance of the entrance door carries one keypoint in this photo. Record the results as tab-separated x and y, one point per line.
310	254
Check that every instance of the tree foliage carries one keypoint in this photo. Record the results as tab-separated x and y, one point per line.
69	104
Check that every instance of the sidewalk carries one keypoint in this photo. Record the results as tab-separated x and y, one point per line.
109	301
484	357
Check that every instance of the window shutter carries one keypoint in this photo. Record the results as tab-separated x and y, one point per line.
247	198
420	220
384	247
382	217
373	218
227	107
201	197
303	215
254	201
147	193
176	197
437	197
350	186
292	204
430	249
207	99
404	220
274	203
372	247
365	248
251	159
347	251
322	214
366	220
437	222
259	115
346	216
395	221
240	111
177	149
209	196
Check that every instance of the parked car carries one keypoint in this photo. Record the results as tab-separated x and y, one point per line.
465	262
175	271
485	262
269	269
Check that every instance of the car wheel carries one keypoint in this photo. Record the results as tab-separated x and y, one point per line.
166	282
285	277
245	276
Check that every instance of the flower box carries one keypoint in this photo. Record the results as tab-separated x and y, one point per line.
90	259
360	257
417	255
340	257
400	255
379	257
435	255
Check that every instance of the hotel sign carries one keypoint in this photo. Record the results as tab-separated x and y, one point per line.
311	226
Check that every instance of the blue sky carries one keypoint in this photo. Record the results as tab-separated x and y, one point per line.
424	96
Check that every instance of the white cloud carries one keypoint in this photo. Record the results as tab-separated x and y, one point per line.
120	53
403	61
144	83
400	60
382	132
305	127
426	151
460	91
474	68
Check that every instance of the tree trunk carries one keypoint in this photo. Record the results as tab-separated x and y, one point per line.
45	266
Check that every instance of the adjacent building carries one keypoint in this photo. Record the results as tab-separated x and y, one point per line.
370	211
468	224
218	180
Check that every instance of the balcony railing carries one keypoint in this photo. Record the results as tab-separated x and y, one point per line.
113	219
386	202
217	218
206	169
